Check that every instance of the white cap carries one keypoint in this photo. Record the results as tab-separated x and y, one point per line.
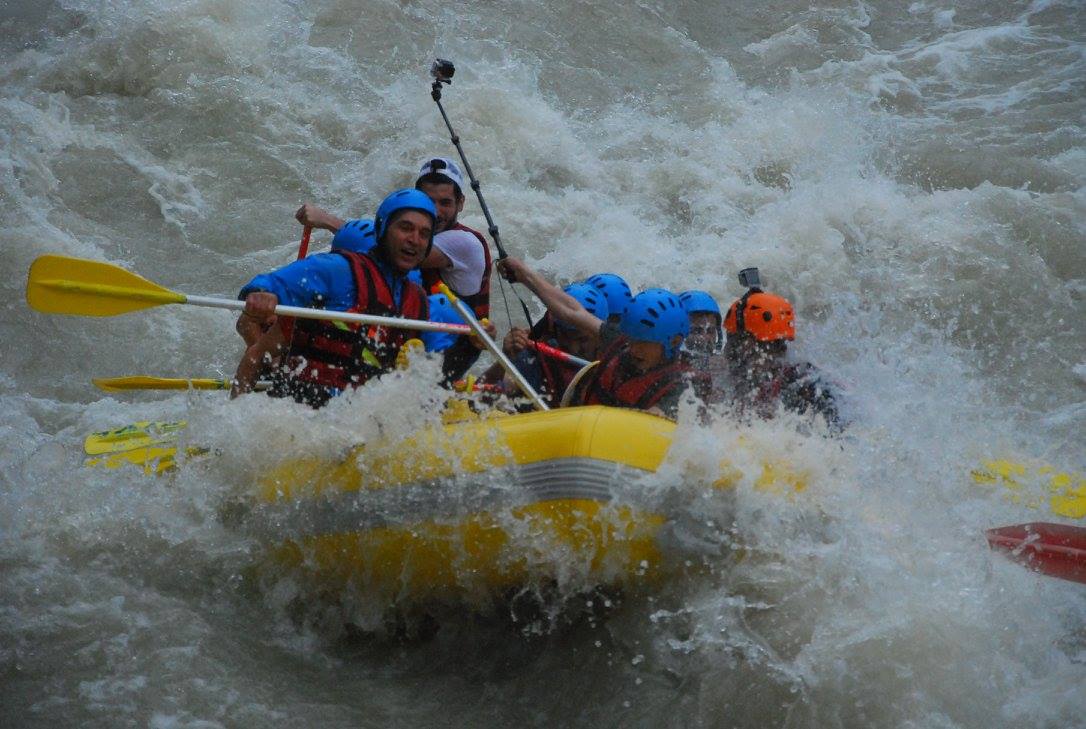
445	167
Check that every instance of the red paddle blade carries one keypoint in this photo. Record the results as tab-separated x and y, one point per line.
1057	550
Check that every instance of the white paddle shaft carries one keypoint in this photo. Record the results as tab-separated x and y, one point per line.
323	314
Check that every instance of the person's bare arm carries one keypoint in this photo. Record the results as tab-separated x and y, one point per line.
560	304
268	340
249	329
268	349
315	217
435	259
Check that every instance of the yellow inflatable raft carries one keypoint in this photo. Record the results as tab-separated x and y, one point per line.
478	506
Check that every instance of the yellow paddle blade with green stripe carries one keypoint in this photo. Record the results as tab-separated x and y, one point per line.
146	382
63	285
131	437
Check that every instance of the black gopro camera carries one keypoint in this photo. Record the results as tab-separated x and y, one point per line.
443	71
750	279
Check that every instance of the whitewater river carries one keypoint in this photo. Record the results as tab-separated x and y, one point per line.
911	175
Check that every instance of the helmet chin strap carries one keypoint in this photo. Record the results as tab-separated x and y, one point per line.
741	310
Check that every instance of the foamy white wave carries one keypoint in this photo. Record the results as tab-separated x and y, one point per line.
909	175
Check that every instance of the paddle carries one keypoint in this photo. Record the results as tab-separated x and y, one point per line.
63	285
146	382
495	350
1036	485
131	437
1057	550
303	247
548	351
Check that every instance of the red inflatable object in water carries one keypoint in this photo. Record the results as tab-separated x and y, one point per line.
1058	550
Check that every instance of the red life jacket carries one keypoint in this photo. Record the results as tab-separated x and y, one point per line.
479	301
556	378
608	385
324	355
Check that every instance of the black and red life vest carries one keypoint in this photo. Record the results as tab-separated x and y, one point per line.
797	387
479	301
557	375
325	356
608	385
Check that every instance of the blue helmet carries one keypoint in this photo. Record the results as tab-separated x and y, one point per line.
356	236
615	288
700	302
656	315
406	199
593	300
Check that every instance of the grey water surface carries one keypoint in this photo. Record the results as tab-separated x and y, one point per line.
909	174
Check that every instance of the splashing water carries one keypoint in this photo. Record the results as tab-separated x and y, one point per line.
910	175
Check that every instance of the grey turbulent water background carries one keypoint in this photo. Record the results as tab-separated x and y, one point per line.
911	175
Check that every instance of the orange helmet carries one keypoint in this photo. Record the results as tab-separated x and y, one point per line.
766	317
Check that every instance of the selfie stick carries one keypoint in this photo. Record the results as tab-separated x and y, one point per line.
443	71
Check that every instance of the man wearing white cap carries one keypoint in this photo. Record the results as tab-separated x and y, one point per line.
460	257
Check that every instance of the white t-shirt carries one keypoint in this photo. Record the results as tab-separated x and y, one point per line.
465	254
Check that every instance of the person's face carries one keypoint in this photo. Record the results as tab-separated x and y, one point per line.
576	342
448	205
645	355
407	238
703	332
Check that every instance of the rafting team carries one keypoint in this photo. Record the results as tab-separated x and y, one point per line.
647	351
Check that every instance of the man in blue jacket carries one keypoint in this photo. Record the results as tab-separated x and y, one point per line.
313	360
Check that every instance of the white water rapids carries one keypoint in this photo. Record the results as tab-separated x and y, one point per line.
911	175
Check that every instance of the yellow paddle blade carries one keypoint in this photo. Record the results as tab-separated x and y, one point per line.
1038	486
63	285
155	460
146	382
130	437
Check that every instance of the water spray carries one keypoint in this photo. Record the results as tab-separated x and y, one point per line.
442	72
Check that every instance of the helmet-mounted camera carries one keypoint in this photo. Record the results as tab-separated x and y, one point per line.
749	278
